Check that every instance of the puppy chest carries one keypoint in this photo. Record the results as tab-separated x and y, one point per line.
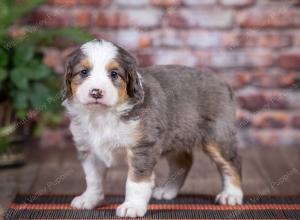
111	133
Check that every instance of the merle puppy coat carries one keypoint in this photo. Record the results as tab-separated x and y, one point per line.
161	111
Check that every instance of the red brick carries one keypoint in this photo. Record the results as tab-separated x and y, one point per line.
290	60
264	79
53	59
144	58
237	3
49	18
268	18
271	138
111	19
16	31
271	119
274	79
256	100
254	39
241	79
274	40
238	40
296	40
296	121
193	3
101	3
176	20
287	80
200	18
296	2
166	3
252	101
82	18
63	2
144	41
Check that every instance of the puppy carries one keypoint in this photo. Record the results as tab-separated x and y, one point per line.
152	112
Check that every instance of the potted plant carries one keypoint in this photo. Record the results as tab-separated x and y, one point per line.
29	90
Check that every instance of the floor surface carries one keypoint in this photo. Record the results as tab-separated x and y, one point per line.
265	171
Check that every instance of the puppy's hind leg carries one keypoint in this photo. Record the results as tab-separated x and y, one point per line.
228	164
179	166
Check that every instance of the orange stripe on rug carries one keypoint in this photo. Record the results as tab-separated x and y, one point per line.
166	206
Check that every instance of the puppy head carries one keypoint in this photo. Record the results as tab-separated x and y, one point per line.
100	73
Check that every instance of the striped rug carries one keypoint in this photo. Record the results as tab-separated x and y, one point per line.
183	207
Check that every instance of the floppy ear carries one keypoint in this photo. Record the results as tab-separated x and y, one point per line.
134	83
66	91
71	60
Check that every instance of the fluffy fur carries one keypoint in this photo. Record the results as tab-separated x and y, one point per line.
152	112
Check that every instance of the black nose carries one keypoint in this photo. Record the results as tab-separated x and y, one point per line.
96	93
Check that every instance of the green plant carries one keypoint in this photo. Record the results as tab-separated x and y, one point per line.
25	82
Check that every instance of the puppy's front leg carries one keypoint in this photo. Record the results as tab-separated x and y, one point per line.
139	184
94	170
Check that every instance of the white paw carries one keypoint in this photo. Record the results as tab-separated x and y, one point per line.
165	192
131	209
232	196
87	201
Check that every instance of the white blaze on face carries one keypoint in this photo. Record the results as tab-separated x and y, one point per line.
99	53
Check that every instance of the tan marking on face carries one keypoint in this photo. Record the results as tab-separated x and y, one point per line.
86	63
74	86
214	151
76	80
113	64
122	92
120	82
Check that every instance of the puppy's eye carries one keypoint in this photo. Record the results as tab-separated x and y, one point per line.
114	75
84	73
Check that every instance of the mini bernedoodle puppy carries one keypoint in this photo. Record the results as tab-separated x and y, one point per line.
151	112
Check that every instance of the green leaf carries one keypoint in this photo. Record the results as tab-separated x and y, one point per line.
21	114
38	70
3	75
4	144
23	54
38	97
3	58
19	76
21	100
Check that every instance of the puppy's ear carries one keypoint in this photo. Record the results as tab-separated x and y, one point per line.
134	82
66	91
71	60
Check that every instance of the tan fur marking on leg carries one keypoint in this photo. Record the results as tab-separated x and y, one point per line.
178	161
224	166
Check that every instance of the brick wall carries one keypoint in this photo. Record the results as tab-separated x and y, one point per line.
254	45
